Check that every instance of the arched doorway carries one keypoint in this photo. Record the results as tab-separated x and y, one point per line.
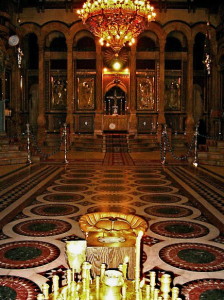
115	101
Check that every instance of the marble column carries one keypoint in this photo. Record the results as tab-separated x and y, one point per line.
41	119
70	89
190	126
161	101
98	121
213	87
132	97
16	98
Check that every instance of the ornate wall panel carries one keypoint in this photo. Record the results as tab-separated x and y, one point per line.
146	99
147	123
58	88
85	92
55	122
173	93
85	123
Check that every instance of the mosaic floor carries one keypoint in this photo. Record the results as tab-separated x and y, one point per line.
42	203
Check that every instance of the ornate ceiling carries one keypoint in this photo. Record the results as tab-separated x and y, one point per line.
159	4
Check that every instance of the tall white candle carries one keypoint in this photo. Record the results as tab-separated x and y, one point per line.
138	259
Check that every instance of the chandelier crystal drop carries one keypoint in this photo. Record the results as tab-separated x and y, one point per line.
116	22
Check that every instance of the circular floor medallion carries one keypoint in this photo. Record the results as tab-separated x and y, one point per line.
160	198
194	257
74	181
114	208
179	229
112	181
147	176
42	227
113	171
82	171
114	176
168	211
204	289
151	182
112	198
13	288
146	171
111	188
155	189
27	254
63	197
81	175
70	188
55	210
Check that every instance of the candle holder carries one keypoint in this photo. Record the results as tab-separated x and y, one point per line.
76	254
111	284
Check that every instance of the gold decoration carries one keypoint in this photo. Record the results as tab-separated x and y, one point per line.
116	22
110	57
112	284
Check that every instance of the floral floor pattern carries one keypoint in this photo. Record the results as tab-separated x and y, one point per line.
41	206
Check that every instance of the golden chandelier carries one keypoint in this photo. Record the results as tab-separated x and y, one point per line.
116	22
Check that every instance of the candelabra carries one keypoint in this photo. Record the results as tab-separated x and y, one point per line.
110	284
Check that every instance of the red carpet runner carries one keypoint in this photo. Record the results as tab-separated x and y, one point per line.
118	159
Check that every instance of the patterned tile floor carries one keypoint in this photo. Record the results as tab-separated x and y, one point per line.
42	203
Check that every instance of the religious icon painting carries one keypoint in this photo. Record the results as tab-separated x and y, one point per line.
146	93
86	92
58	91
173	93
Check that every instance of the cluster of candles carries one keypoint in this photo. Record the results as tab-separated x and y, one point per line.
110	284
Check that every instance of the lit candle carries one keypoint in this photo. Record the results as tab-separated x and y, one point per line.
175	293
97	283
73	289
138	259
69	277
156	294
147	290
55	286
45	290
152	283
165	285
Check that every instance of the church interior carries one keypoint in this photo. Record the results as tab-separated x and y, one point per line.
112	108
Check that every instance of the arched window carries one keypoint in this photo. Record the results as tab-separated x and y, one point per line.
85	44
173	44
146	44
56	42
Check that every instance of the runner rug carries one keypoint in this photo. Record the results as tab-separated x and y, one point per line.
118	159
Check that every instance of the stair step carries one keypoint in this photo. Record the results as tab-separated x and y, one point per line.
13	154
9	147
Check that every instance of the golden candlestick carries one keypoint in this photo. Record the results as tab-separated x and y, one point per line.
112	284
125	266
147	291
76	254
165	286
55	286
102	271
45	290
175	293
